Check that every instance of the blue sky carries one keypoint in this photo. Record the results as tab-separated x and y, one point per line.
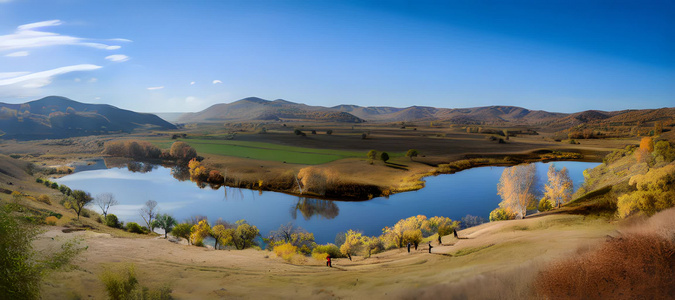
170	56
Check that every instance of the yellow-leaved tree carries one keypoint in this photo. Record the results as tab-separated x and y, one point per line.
516	187
559	187
655	191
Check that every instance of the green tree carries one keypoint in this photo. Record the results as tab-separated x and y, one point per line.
222	234
384	157
372	155
182	230
22	267
166	222
244	235
412	153
77	200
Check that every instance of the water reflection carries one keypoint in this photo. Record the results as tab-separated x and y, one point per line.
310	207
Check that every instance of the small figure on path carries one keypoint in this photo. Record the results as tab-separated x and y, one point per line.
416	243
439	239
454	231
408	247
350	256
328	261
430	247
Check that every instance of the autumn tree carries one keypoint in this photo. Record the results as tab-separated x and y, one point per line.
199	232
441	225
559	187
222	234
77	200
148	213
182	151
395	235
643	154
244	235
516	187
105	201
353	243
412	153
165	222
655	191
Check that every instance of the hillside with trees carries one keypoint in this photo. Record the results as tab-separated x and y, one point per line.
59	117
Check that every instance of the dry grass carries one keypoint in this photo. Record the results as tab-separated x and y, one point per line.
638	265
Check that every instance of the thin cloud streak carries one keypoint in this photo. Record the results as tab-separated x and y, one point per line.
26	37
117	58
18	54
155	88
39	79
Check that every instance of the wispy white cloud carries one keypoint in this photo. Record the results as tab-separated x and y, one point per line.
40	79
77	79
26	36
4	75
192	83
121	40
17	54
93	79
217	81
117	57
155	88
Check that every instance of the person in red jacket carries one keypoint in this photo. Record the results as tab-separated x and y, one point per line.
328	261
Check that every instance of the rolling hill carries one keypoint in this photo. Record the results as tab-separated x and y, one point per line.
60	117
253	108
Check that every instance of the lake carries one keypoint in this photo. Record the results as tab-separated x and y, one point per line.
472	191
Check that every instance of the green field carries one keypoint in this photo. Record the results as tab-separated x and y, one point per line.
265	151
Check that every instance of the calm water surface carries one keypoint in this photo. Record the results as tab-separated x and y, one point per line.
472	191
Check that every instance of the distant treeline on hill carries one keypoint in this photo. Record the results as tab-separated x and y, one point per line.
146	150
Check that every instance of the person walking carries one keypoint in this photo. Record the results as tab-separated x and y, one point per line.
408	247
455	232
430	247
439	238
328	261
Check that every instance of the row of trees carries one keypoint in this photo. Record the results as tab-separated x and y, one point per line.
241	234
518	190
413	230
384	156
144	150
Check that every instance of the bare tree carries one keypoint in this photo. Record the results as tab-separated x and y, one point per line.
149	212
516	187
105	201
559	186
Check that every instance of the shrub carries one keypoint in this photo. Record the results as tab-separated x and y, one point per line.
112	221
545	204
500	214
123	284
286	251
633	267
54	185
327	249
329	131
133	227
38	180
182	230
44	199
51	220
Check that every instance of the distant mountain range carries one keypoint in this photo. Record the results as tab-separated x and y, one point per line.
253	108
59	117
